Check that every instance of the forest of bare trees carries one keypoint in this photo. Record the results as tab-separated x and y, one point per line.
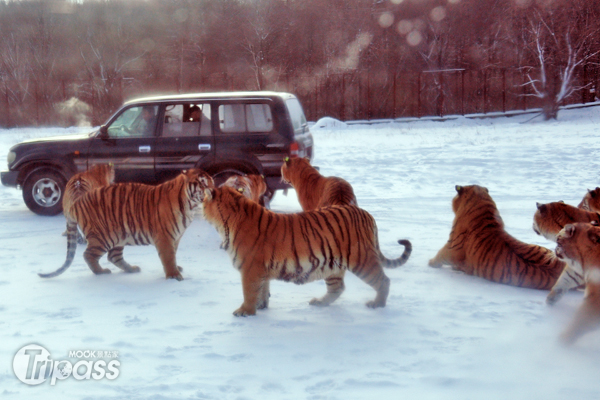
66	61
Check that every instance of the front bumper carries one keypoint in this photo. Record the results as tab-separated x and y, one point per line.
9	178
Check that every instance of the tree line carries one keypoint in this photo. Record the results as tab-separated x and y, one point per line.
98	53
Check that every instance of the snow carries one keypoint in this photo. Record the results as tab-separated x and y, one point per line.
442	335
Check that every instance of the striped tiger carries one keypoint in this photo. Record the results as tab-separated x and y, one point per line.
114	216
579	244
313	189
479	245
83	182
298	248
251	186
591	200
550	218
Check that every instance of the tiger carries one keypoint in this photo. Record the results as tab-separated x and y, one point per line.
252	186
550	218
591	200
579	243
298	248
313	189
83	182
479	245
114	216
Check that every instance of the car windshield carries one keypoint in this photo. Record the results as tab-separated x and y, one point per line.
137	121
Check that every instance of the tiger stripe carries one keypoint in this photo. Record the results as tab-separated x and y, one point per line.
299	248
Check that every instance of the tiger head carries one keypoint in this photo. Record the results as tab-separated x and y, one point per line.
550	218
197	181
579	243
293	168
591	200
471	202
101	175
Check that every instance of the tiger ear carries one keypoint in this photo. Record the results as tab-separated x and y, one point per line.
541	207
593	236
458	188
561	201
593	192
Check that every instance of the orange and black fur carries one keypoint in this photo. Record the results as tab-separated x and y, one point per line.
114	216
579	245
298	248
83	182
550	218
479	245
251	186
591	200
315	190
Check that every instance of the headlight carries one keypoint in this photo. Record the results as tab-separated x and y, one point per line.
10	158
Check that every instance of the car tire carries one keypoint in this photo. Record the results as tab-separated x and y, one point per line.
43	192
222	175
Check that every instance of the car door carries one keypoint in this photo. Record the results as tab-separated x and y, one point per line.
247	129
186	137
128	143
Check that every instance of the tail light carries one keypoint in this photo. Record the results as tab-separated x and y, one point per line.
294	149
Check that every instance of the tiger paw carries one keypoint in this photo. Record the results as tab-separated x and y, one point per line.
133	269
318	302
375	304
179	268
244	312
554	296
434	264
102	271
176	276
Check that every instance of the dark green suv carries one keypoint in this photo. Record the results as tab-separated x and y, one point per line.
150	140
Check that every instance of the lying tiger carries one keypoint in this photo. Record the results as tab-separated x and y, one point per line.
479	245
251	186
83	182
313	189
591	200
298	248
114	216
579	244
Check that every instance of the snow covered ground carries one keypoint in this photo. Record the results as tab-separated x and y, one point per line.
443	335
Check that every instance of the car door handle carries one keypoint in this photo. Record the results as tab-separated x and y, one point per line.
144	149
204	147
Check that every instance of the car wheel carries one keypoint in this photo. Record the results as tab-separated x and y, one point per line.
43	192
221	176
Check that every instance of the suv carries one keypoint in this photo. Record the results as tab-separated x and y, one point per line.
150	140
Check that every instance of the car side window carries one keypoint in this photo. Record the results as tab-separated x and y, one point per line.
137	121
183	120
241	118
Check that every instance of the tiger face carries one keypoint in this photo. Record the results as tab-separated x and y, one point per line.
579	244
293	167
550	218
251	186
591	200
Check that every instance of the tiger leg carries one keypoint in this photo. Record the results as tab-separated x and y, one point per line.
166	252
93	252
587	317
263	295
115	256
569	279
372	274
442	257
335	287
253	278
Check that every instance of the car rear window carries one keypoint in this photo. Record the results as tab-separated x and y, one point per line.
240	118
296	113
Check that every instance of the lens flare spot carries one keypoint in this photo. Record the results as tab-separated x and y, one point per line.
414	38
386	19
404	27
438	14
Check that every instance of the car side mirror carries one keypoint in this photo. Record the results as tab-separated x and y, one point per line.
103	132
